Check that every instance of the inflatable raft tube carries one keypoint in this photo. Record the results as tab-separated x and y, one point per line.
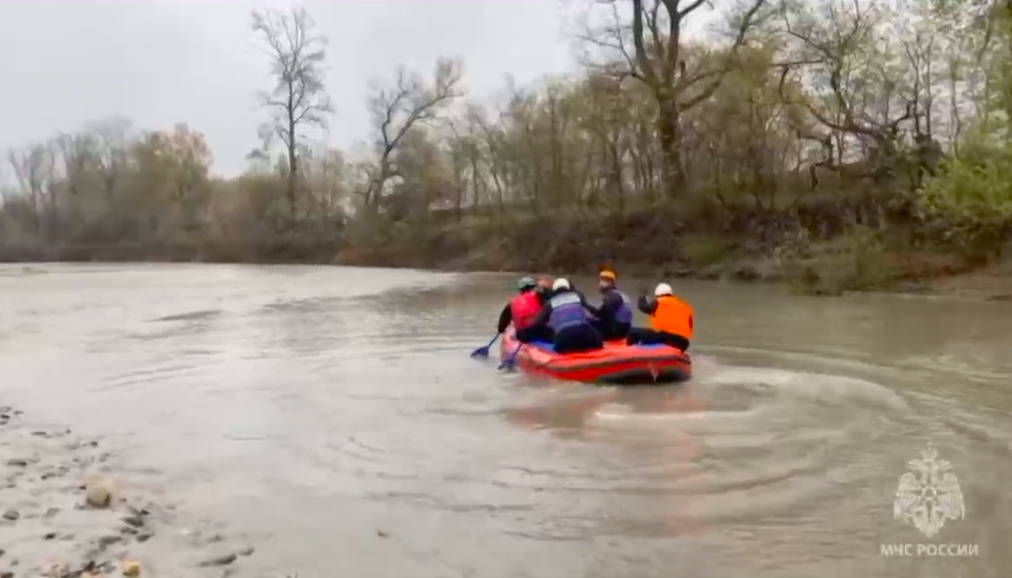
617	363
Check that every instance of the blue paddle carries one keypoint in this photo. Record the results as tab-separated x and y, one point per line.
483	351
510	359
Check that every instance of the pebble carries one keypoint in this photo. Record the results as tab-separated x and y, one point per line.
17	462
145	536
7	574
135	521
49	536
98	496
131	569
105	541
247	551
219	560
55	569
50	512
138	511
11	515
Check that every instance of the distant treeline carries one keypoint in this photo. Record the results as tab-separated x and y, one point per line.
806	122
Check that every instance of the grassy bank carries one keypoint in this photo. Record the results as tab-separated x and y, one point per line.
820	244
823	246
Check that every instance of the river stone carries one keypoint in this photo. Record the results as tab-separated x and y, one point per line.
56	569
11	515
6	574
135	521
98	496
17	462
131	569
219	560
138	511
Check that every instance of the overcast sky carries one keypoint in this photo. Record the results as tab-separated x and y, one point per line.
156	62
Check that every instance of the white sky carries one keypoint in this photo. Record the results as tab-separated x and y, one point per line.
157	62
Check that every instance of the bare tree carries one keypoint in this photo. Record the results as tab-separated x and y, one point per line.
658	58
396	109
78	154
114	137
299	98
33	168
860	100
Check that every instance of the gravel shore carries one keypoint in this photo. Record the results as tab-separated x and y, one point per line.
64	512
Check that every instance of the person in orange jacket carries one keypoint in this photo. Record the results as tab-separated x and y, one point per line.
671	320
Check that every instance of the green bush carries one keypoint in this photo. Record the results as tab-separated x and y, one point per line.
969	203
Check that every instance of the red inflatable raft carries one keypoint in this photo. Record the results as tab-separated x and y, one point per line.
616	363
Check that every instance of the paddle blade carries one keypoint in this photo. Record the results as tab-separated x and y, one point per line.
482	352
509	361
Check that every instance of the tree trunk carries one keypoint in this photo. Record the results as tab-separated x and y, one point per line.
292	160
668	129
293	167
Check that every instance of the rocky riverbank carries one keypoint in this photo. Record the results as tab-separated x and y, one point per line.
65	512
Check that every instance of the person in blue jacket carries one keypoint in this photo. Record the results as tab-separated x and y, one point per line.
615	315
569	317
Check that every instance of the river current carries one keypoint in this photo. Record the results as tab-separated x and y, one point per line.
335	416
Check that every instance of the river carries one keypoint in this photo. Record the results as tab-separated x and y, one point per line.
335	415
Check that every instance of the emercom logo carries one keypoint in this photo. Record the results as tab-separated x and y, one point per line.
927	496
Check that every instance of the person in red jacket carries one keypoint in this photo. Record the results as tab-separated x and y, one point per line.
522	310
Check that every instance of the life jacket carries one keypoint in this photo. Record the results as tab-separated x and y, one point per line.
623	314
567	312
672	316
524	308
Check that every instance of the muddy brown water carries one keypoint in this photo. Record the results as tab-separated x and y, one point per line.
334	416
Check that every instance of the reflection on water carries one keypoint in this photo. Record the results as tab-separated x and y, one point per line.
335	414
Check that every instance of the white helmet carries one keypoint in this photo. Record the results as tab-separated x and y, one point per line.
662	289
560	283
